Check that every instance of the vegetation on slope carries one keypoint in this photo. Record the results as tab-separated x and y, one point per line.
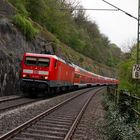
120	118
26	26
71	27
125	71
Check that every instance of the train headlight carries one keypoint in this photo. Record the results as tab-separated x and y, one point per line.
24	75
46	77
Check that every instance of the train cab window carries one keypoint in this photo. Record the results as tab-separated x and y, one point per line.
37	61
43	62
55	64
31	61
77	76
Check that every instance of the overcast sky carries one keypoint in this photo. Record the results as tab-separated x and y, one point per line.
117	26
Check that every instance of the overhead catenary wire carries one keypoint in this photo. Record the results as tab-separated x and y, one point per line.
116	9
120	10
93	9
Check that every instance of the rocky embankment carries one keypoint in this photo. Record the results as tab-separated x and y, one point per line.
12	47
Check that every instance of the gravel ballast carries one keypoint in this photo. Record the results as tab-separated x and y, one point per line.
11	119
90	128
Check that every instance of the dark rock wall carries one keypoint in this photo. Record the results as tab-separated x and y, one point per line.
12	47
6	9
7	74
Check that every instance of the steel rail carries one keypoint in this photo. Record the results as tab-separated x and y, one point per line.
137	112
78	118
136	130
5	108
32	121
10	99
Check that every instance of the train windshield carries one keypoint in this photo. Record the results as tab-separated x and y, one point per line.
43	62
37	61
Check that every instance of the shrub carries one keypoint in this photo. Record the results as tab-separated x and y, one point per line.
20	5
117	127
26	26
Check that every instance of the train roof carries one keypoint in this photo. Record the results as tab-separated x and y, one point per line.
71	64
40	55
47	56
83	70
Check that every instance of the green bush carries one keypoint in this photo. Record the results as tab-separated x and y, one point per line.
125	73
26	26
71	27
20	5
117	127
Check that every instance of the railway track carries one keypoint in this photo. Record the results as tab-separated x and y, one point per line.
57	123
10	103
8	98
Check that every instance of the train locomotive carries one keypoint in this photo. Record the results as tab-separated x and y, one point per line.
49	73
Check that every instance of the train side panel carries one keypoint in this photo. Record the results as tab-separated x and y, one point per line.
61	74
41	72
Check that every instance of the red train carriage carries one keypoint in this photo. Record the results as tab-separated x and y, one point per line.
44	72
82	78
49	72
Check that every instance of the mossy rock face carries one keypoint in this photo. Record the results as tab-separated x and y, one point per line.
7	74
6	9
5	26
12	47
13	44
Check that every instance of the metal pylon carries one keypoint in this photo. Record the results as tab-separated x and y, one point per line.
138	51
138	37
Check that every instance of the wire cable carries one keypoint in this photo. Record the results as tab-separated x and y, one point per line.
120	10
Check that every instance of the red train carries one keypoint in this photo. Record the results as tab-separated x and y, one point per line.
50	73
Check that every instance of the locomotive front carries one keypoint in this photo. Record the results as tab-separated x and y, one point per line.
35	72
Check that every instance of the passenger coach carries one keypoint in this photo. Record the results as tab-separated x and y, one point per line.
49	73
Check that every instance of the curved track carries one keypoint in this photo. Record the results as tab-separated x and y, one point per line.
57	123
11	103
9	98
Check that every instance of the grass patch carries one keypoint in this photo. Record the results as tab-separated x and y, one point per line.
26	26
